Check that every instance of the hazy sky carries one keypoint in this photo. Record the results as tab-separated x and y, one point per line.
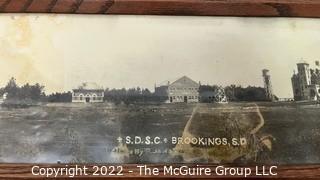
62	51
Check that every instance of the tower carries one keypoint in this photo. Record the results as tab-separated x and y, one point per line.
304	73
267	84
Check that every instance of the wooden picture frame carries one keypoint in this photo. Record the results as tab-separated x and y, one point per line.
245	8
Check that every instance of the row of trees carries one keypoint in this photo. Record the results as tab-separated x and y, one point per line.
238	93
250	93
131	95
25	94
35	93
60	97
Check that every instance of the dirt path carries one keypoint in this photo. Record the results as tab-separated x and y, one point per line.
261	123
186	132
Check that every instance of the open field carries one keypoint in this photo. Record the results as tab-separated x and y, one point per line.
275	132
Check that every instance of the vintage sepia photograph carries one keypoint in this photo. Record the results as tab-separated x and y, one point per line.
159	89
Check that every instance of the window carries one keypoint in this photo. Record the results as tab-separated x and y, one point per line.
94	97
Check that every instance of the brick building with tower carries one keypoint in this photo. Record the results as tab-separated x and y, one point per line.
306	82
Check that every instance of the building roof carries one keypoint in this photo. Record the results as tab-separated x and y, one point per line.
183	81
302	63
90	86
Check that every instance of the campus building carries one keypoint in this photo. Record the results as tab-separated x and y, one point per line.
306	82
88	93
182	90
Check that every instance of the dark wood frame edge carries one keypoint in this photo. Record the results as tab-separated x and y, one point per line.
264	8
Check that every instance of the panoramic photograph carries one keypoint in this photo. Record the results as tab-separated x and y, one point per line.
154	89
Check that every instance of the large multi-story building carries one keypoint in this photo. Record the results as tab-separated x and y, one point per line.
306	82
182	90
88	92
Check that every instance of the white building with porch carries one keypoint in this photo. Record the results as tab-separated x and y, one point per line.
88	93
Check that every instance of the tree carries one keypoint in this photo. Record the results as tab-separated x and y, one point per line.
250	93
25	94
60	97
130	95
36	92
146	92
12	88
25	91
204	88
